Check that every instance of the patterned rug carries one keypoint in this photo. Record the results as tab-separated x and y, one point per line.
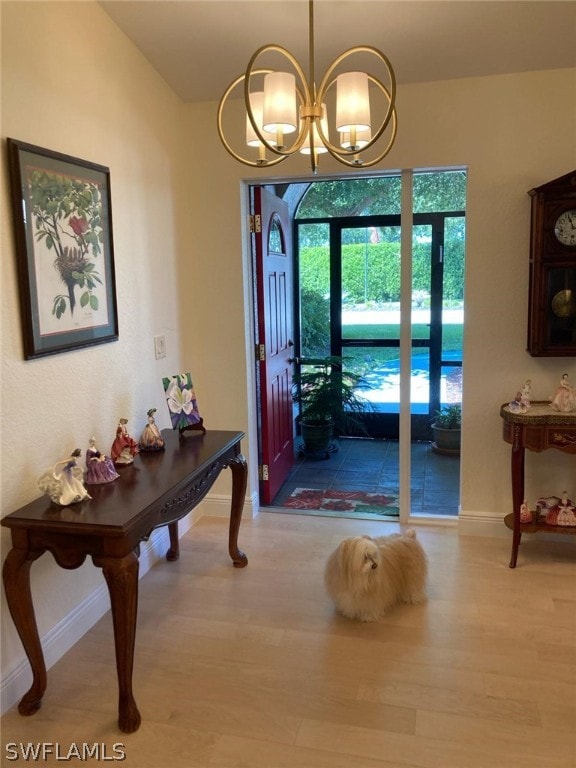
331	500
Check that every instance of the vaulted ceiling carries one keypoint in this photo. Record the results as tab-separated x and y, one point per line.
199	47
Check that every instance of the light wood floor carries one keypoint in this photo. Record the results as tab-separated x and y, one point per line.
253	667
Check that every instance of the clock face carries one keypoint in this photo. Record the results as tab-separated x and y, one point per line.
565	228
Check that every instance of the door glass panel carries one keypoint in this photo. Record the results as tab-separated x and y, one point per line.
314	261
371	310
439	191
453	309
351	197
275	237
420	322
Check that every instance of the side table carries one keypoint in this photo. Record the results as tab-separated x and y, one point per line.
538	429
157	490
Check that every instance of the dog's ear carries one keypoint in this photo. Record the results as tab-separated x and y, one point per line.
347	555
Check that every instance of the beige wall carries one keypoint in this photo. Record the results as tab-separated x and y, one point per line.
72	82
511	135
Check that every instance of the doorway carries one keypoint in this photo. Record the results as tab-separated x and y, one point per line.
347	283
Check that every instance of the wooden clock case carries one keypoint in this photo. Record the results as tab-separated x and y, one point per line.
552	290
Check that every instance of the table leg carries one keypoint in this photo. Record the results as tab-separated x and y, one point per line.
239	481
174	550
16	576
121	575
517	498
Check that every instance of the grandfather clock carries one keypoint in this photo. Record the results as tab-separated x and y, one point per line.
552	291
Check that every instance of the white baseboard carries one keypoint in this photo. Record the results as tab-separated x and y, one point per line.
490	525
58	640
217	505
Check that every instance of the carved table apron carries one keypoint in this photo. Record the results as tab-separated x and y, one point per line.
158	489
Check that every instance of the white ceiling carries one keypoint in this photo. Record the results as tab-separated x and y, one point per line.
199	47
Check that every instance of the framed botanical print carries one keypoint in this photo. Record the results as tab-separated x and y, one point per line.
63	227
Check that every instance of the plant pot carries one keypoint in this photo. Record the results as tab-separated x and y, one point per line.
446	441
317	437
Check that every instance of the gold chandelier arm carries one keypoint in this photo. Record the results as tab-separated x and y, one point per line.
235	155
390	96
357	162
304	97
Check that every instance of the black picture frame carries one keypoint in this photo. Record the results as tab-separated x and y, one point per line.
64	249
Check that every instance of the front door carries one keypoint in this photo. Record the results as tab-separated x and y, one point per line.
274	339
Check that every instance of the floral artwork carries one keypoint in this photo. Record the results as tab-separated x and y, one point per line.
182	402
62	217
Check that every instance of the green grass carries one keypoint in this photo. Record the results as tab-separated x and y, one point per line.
451	341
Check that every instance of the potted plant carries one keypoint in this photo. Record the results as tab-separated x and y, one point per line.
329	403
446	428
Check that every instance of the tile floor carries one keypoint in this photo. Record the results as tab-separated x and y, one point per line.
373	466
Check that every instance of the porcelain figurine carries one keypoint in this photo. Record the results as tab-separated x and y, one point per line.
562	512
124	448
99	467
525	513
521	403
564	400
63	482
525	394
151	439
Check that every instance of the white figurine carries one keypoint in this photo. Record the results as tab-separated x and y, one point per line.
521	402
525	394
64	481
564	400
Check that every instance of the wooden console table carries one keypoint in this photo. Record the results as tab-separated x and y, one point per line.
158	489
538	429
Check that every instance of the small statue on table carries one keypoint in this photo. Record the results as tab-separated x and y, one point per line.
151	439
124	448
63	482
99	467
564	399
525	513
521	403
563	512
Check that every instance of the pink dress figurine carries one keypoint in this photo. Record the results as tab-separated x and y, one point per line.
124	448
564	399
99	467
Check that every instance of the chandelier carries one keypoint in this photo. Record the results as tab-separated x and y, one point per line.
286	106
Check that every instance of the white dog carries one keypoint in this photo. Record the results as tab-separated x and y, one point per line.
366	576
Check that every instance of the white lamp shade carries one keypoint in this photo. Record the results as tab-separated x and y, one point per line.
257	105
352	101
279	112
318	145
349	141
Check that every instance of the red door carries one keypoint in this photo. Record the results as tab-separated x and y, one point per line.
274	340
